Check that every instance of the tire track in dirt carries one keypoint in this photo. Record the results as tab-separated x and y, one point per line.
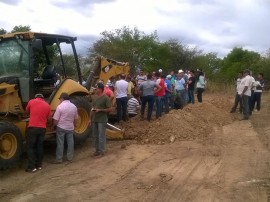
191	175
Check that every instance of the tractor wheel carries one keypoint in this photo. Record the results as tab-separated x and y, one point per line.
82	130
11	145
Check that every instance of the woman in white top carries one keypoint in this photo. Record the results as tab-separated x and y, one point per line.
200	85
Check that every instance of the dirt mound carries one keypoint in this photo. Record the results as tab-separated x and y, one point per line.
193	122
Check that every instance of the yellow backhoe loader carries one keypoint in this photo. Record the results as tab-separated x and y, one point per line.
27	67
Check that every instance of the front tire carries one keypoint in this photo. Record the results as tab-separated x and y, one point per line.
11	145
82	130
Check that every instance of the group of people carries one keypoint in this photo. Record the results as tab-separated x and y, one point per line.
165	92
64	119
248	93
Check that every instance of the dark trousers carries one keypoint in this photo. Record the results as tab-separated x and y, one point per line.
121	104
246	106
256	100
199	94
167	102
159	106
236	101
250	102
182	95
35	138
191	96
150	99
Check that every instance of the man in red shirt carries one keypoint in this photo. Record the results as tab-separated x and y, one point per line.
108	92
39	111
159	94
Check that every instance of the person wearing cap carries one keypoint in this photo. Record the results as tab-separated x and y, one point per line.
244	91
39	111
65	120
101	106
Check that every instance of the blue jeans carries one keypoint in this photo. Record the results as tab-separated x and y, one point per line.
99	130
167	102
60	139
191	96
121	108
246	106
150	100
159	104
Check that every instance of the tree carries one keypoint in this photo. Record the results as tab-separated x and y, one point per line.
264	66
127	45
21	28
209	63
237	60
143	50
3	31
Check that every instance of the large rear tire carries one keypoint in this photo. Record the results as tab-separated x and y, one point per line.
82	130
11	144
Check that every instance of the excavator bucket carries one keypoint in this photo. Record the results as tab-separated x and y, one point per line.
113	132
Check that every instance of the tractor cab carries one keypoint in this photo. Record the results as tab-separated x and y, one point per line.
34	63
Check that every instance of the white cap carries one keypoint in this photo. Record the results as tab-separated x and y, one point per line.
180	71
160	70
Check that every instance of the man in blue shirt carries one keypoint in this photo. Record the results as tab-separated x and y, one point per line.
168	93
180	84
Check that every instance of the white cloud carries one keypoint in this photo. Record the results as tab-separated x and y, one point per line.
212	25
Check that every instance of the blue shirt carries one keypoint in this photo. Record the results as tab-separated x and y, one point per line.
169	86
179	84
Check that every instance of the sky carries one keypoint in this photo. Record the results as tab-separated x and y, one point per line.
210	25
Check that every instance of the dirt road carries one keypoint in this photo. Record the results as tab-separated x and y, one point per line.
231	164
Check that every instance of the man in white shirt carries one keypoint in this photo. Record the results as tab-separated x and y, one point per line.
237	96
121	89
259	85
244	91
253	87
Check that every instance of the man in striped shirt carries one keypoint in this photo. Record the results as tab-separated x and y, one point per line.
133	106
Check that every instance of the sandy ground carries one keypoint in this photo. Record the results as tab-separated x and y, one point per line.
230	164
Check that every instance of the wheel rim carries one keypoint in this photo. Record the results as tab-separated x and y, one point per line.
8	145
82	121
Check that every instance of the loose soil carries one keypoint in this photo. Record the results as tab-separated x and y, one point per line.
200	153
